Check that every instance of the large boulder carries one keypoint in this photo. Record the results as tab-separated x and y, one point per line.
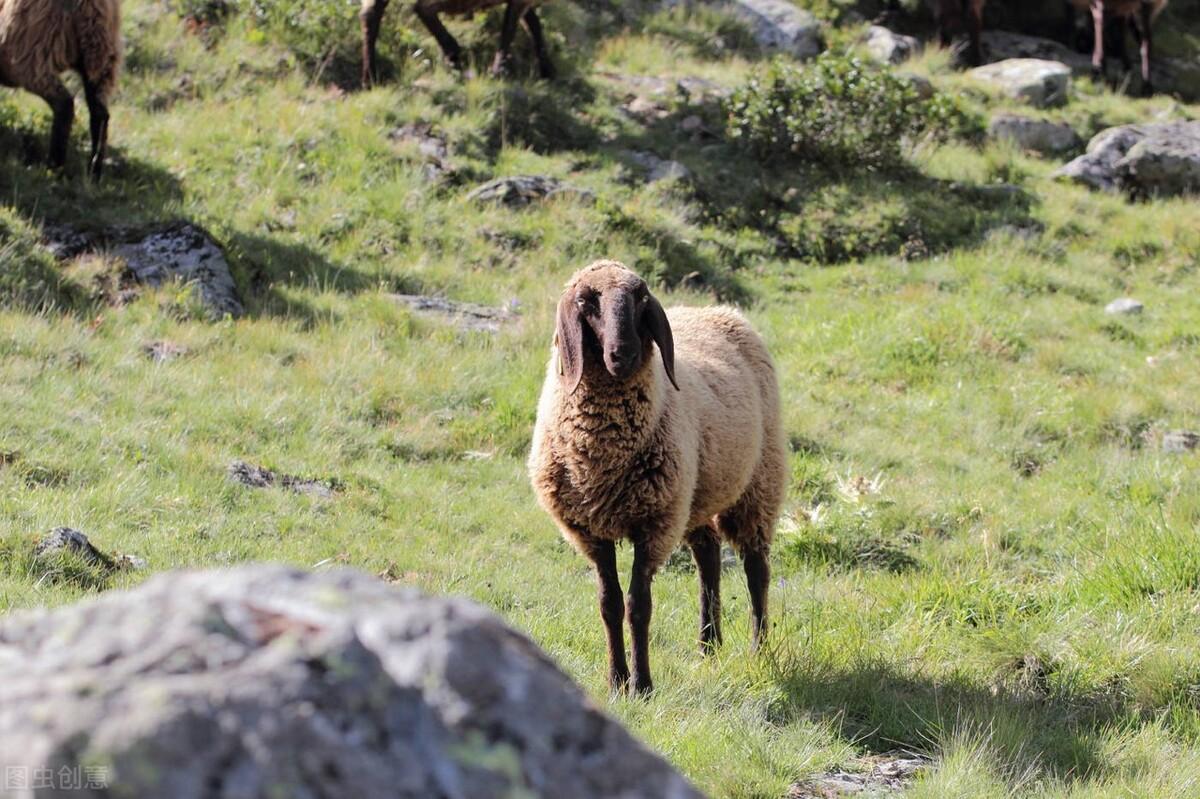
1153	159
266	681
1039	135
778	25
1035	81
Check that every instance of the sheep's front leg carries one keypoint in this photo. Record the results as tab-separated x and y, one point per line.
975	32
371	18
1098	38
758	579
706	550
508	31
603	555
61	103
98	119
534	26
638	607
448	43
1141	25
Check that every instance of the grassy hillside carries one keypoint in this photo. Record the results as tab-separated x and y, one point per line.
987	557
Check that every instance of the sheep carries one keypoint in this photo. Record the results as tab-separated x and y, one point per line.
950	16
1142	13
687	446
515	11
41	39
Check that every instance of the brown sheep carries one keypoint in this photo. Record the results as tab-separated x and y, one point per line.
1141	12
953	16
515	11
686	446
41	39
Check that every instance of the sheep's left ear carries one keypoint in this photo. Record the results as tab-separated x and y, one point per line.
660	331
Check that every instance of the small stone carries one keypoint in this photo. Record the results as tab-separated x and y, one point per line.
1124	305
163	351
66	539
656	168
1180	441
1040	83
888	47
691	124
260	477
521	190
1038	135
921	84
465	315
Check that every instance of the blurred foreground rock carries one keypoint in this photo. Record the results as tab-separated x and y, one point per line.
265	681
1154	159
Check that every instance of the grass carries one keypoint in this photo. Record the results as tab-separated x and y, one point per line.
985	556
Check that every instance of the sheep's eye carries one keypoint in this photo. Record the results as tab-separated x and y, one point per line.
586	302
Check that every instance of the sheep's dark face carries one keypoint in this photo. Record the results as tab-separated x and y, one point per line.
608	317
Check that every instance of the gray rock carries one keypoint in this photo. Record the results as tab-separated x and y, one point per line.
1003	46
1180	441
182	251
521	190
1123	305
267	681
430	145
884	775
1035	81
889	47
656	168
920	83
781	26
66	539
259	477
1160	158
163	351
1038	135
465	315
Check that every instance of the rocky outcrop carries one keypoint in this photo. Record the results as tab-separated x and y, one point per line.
184	252
1039	135
1035	81
267	681
1154	159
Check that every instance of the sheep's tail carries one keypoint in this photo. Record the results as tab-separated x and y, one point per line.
44	38
98	29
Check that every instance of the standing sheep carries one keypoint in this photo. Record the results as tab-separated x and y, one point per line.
515	11
685	446
1142	13
953	16
41	39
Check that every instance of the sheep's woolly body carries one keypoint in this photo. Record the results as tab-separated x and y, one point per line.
640	459
41	39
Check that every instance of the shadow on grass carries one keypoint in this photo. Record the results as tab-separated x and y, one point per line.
1032	729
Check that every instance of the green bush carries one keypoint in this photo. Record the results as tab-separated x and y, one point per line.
838	111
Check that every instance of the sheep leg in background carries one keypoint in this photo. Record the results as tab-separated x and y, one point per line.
639	608
508	31
603	555
974	13
1141	26
706	550
371	17
448	43
534	27
1098	38
98	119
758	578
63	105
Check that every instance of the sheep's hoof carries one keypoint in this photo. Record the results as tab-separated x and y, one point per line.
642	686
499	66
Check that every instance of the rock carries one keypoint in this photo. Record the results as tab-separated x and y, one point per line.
259	477
780	25
1124	305
656	168
1038	135
466	315
888	774
521	190
66	242
1180	76
65	539
889	47
431	146
1156	159
267	681
691	124
920	83
1035	81
182	251
163	351
1004	46
1180	441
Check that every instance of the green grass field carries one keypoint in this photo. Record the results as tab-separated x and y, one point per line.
986	555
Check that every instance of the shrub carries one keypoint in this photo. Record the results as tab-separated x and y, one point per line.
837	110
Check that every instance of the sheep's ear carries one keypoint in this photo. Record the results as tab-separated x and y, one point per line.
568	339
660	331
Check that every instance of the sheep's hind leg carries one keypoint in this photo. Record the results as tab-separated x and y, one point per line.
758	579
534	26
371	17
63	105
448	43
98	120
639	608
508	31
603	555
706	550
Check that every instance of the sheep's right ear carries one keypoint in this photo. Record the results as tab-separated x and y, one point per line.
568	338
